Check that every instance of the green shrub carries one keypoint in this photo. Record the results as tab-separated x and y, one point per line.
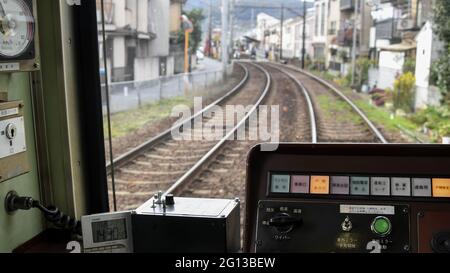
362	70
436	119
403	94
409	65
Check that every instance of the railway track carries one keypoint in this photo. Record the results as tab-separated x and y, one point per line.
300	121
338	118
163	163
217	169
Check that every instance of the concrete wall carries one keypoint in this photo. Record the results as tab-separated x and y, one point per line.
119	52
390	65
119	13
175	12
142	18
146	68
130	13
158	12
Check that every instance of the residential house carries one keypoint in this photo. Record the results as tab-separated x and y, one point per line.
393	41
268	32
343	21
137	38
293	36
319	37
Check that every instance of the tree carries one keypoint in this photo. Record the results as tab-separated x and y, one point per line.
440	75
196	16
442	20
440	72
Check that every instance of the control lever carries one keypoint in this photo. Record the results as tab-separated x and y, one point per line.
284	223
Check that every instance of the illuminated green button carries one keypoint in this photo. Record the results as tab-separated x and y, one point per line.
381	226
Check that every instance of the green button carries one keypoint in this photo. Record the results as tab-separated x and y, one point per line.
381	226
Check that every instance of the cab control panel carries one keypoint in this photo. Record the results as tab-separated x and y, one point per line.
348	198
312	227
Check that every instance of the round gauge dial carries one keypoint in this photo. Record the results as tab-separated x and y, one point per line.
16	27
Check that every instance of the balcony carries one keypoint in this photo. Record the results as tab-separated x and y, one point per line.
388	30
347	5
345	37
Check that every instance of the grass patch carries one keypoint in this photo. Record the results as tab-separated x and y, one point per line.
337	109
378	115
393	124
128	122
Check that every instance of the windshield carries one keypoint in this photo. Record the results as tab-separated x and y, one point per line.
189	86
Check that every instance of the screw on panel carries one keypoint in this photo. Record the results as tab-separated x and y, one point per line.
406	248
421	214
258	243
405	210
261	206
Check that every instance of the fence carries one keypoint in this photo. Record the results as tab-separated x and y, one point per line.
125	96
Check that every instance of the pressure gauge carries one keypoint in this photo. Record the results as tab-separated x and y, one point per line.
17	30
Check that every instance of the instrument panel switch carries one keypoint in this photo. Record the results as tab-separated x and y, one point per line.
347	225
381	226
284	223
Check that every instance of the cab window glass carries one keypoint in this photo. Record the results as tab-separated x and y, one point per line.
189	86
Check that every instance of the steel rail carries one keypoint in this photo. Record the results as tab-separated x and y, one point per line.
312	114
175	188
130	155
369	123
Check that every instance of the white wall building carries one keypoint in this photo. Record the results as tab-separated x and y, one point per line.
293	36
137	39
428	50
319	39
268	31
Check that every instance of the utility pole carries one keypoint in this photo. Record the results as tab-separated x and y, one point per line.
231	26
354	43
225	40
210	29
281	32
304	35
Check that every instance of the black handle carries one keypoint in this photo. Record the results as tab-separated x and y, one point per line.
285	220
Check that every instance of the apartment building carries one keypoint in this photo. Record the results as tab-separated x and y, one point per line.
343	21
268	32
397	23
138	38
293	36
319	37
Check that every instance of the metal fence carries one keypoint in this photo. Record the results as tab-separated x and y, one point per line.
125	96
